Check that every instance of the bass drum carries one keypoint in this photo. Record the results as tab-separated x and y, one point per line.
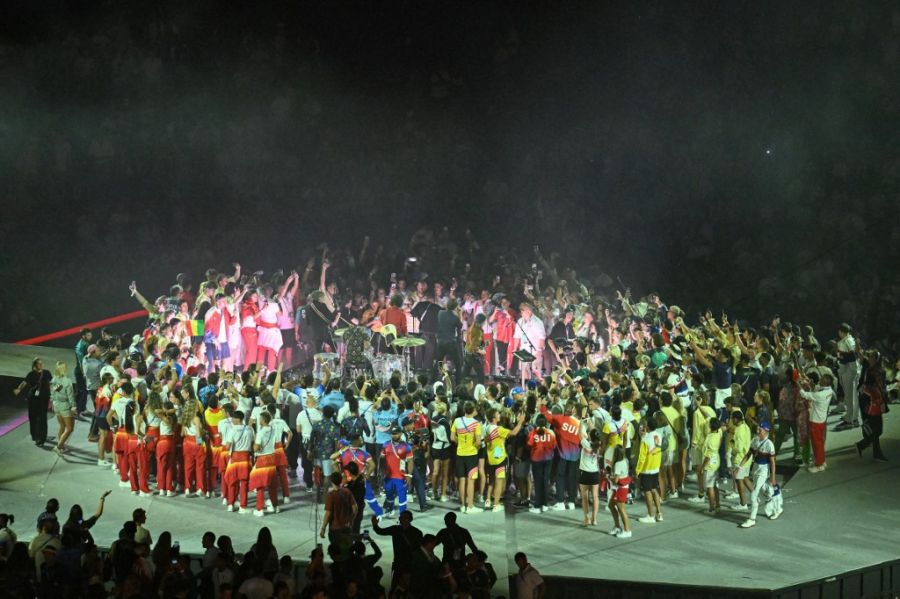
385	365
332	360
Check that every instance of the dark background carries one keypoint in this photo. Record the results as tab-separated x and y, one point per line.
737	155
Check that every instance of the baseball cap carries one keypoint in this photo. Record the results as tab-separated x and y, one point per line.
764	425
396	430
517	390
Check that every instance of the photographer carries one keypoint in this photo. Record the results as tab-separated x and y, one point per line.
420	440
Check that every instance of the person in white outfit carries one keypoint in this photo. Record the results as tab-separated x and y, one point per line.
848	373
762	452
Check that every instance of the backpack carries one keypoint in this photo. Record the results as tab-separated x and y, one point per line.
352	426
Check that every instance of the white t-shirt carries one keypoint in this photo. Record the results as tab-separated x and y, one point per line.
119	406
590	461
281	429
265	438
240	438
818	403
305	421
532	340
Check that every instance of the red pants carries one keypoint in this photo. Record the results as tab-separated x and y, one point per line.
273	494
194	465
269	354
165	463
488	354
282	465
817	438
250	336
138	465
236	478
214	467
120	447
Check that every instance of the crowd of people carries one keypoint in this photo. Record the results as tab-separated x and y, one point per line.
526	391
63	560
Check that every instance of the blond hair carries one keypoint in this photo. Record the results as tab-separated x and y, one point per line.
61	368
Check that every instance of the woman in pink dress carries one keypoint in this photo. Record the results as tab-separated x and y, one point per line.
270	341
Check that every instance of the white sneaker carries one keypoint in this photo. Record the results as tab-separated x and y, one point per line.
534	510
444	499
674	494
544	508
170	493
462	509
696	499
497	508
659	518
474	510
739	507
625	534
224	501
146	494
487	505
748	523
559	506
776	514
570	506
286	500
615	531
229	508
273	510
134	492
647	519
243	510
258	513
103	463
268	503
124	484
208	495
732	496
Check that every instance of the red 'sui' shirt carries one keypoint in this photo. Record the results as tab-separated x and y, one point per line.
566	429
542	444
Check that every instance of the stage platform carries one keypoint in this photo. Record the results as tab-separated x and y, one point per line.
843	519
15	360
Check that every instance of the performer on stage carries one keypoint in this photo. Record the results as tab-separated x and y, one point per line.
529	336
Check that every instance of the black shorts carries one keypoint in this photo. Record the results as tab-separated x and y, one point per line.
467	466
649	482
441	454
588	478
482	453
101	423
499	470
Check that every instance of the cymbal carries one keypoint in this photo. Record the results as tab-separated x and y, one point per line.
340	332
408	342
387	329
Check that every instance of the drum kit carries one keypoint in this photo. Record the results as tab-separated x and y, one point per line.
383	365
